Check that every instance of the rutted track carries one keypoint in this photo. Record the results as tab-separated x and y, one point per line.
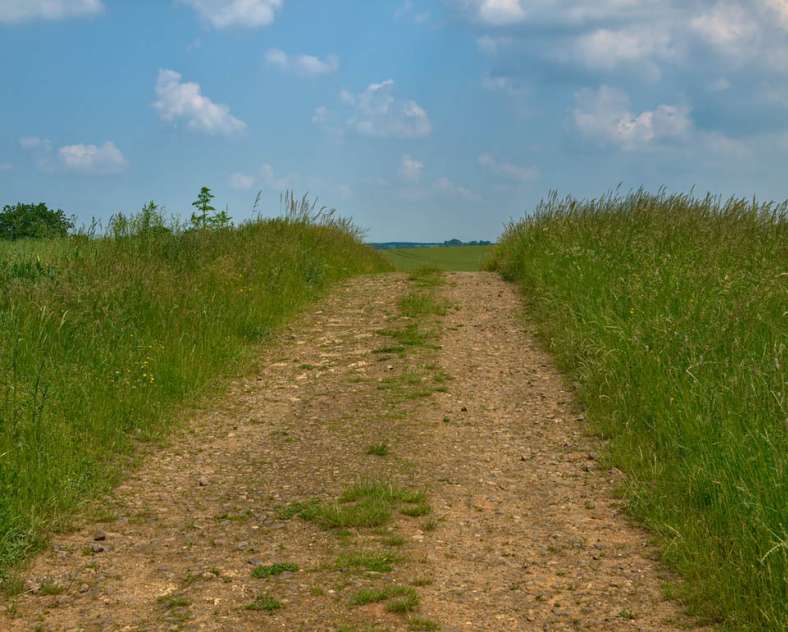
524	534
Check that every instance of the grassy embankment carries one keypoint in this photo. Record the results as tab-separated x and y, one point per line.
671	314
102	340
446	258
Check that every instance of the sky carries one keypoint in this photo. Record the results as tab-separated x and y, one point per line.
421	119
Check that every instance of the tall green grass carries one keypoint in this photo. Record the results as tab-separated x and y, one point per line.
102	339
671	315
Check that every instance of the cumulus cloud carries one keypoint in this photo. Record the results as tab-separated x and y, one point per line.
308	65
509	170
411	169
236	13
12	11
378	113
181	100
605	115
92	159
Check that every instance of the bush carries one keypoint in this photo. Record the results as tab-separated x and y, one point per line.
33	221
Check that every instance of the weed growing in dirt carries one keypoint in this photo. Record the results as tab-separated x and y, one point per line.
50	589
669	312
103	339
378	449
366	504
264	603
420	624
427	277
400	594
273	570
417	304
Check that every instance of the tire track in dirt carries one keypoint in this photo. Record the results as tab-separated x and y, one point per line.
525	532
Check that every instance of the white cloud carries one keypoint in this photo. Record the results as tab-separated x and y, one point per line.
509	170
184	100
92	159
320	115
497	12
411	169
378	113
230	13
309	65
87	159
727	26
264	178
446	186
605	116
12	11
241	181
608	49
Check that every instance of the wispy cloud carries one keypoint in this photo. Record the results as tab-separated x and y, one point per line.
306	65
411	169
12	11
377	112
519	173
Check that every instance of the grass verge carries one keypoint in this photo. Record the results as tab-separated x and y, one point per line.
670	315
103	340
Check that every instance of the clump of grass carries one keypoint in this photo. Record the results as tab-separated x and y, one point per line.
417	304
378	449
373	561
423	625
273	570
427	277
669	312
410	336
365	504
50	589
400	599
264	603
104	337
174	602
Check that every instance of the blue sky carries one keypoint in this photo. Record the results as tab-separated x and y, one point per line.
422	119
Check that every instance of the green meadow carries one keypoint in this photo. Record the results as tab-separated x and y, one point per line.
670	315
446	258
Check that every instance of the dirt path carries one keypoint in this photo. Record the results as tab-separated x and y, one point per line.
482	506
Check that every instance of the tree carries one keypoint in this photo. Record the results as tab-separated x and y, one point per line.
203	205
33	221
207	216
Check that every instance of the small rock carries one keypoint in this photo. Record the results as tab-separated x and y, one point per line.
84	588
202	482
99	536
97	548
464	409
254	562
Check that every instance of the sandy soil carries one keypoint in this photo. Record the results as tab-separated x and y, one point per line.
525	531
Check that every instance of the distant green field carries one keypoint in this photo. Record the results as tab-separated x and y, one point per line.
453	259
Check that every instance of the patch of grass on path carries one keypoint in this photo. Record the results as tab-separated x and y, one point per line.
670	314
364	505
